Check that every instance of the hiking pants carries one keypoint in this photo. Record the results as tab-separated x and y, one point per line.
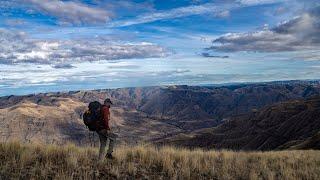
104	136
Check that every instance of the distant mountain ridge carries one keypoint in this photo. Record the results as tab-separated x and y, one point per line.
145	114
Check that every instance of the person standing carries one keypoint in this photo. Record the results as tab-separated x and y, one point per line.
104	131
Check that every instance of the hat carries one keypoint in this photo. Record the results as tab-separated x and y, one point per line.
108	100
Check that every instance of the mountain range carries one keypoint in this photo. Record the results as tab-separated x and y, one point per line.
220	116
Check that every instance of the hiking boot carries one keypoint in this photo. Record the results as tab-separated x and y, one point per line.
109	156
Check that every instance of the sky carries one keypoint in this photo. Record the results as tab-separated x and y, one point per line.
63	45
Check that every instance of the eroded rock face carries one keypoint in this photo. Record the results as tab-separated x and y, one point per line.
143	114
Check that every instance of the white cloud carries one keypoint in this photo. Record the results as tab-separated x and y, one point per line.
223	14
19	48
297	34
70	12
258	2
77	13
15	22
208	8
217	9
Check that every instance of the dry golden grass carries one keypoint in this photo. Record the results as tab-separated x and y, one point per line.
144	162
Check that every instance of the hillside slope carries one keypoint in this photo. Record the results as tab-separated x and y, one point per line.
293	124
58	120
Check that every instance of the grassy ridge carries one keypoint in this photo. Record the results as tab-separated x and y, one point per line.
144	162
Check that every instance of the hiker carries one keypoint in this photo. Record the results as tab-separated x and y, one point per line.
104	131
97	119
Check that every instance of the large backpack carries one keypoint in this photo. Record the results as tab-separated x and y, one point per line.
92	115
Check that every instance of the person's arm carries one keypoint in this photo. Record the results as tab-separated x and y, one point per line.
106	117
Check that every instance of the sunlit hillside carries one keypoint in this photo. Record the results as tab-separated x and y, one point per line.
145	162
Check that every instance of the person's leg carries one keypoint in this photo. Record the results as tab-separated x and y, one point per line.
111	145
112	139
103	143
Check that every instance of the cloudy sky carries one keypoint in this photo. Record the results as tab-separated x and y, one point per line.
61	45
